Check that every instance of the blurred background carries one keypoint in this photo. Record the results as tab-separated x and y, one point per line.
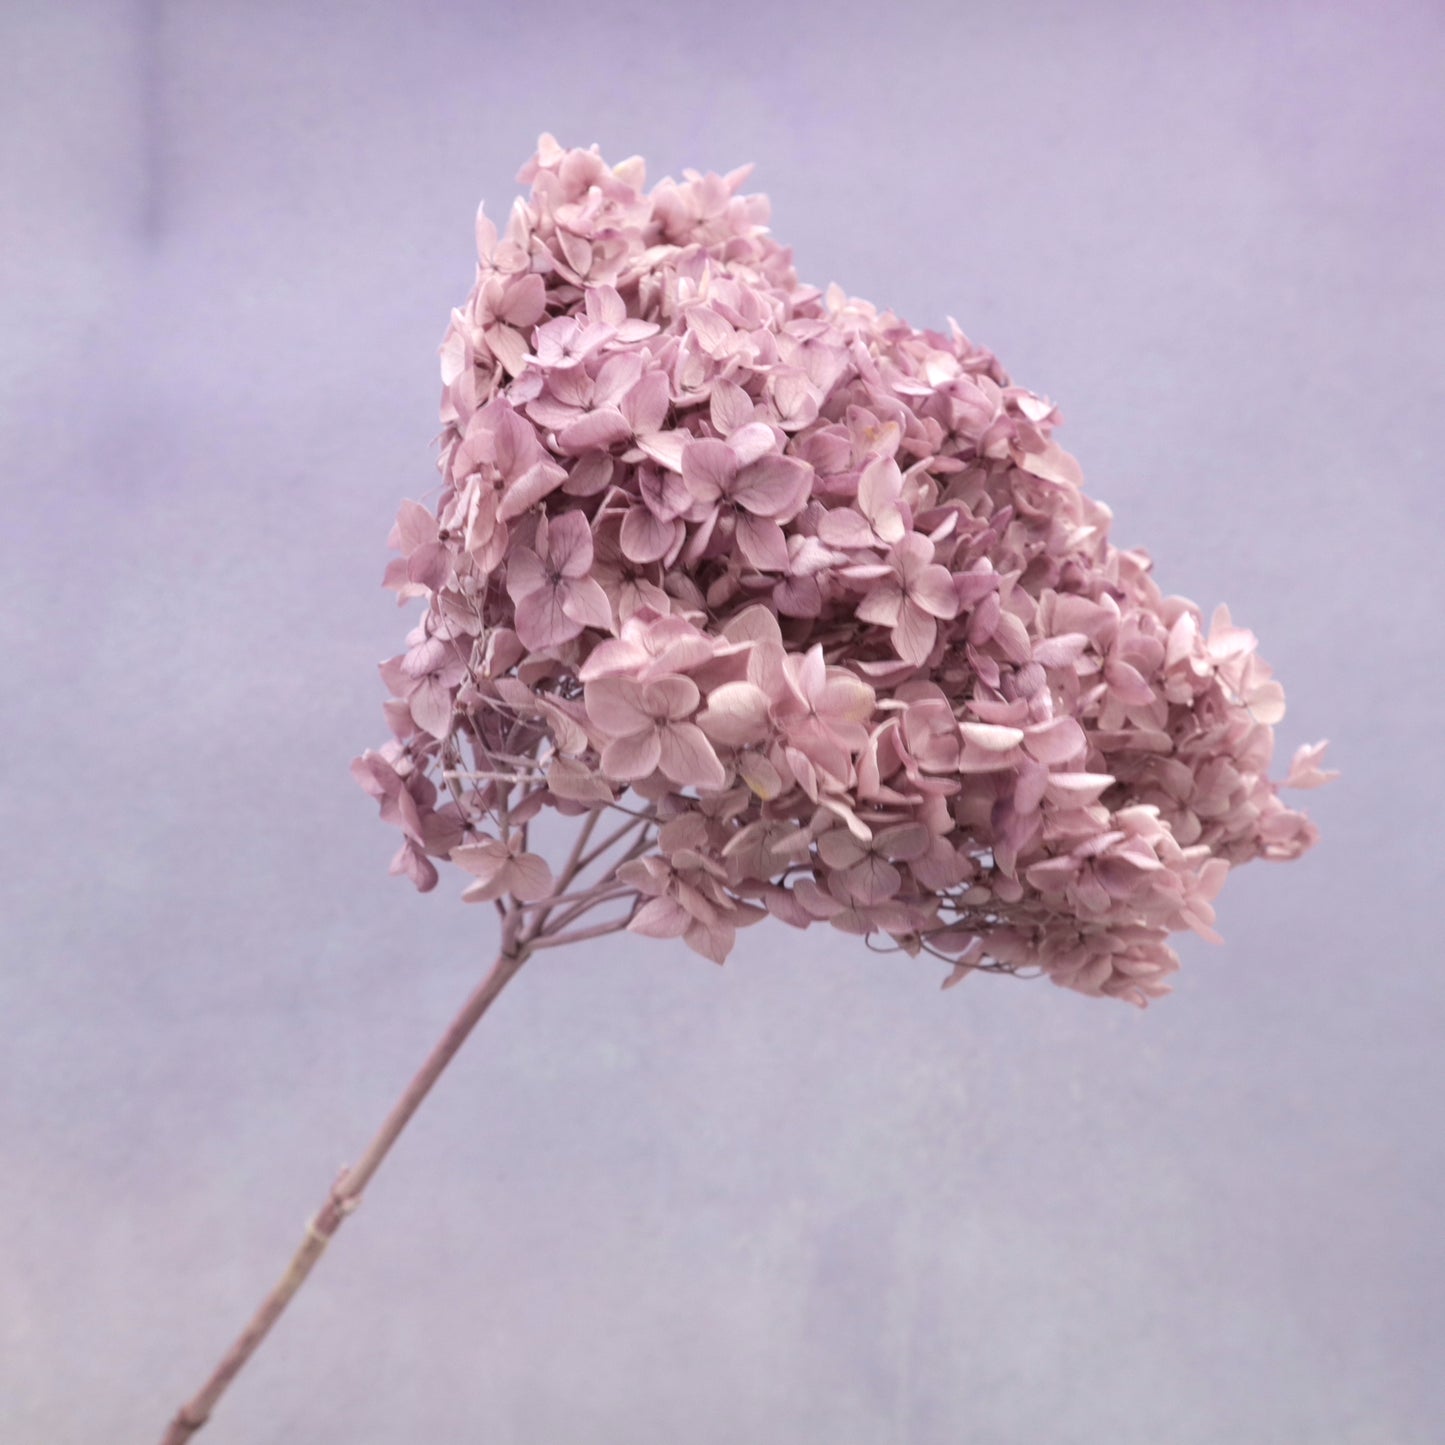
805	1197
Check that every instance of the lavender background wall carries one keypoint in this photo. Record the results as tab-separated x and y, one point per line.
805	1197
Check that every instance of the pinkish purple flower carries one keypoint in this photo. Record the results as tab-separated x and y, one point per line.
552	588
501	869
910	593
814	602
746	479
647	727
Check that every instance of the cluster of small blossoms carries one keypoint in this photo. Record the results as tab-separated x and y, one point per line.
813	595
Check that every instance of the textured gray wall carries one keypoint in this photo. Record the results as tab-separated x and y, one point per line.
805	1197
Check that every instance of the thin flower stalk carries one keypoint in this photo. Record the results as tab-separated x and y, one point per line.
345	1196
521	937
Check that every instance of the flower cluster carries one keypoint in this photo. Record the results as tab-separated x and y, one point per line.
811	596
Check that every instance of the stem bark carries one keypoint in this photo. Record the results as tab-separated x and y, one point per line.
346	1192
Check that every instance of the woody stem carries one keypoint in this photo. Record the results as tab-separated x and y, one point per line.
346	1193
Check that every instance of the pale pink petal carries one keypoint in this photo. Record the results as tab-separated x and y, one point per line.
773	487
714	941
1060	651
1195	919
646	537
594	432
1075	788
760	775
730	407
1052	873
524	301
515	447
486	891
395	578
879	487
762	543
904	842
429	565
615	705
1053	464
1305	770
428	656
1183	639
839	849
911	554
661	918
411	862
1266	703
589	475
845	698
1090	893
615	378
537	482
375	774
798	597
542	620
616	654
399	808
736	715
713	332
569	544
817	903
671	697
431	706
809	671
755	625
914	633
629	758
509	346
960	972
882	605
843	527
1127	682
414	526
1055	742
573	780
688	759
645	406
529	877
585	603
708	468
484	860
665	493
1033	782
577	251
932	590
564	719
872	880
604	303
751	442
991	737
665	447
525	573
793	399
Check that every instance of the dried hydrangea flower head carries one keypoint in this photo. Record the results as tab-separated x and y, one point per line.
813	602
809	611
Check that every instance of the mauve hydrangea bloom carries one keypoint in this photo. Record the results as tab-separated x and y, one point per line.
813	597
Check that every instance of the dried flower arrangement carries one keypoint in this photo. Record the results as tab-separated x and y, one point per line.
809	611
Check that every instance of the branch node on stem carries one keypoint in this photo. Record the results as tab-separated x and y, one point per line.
344	1202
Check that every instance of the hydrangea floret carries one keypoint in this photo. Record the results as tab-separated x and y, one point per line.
814	602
